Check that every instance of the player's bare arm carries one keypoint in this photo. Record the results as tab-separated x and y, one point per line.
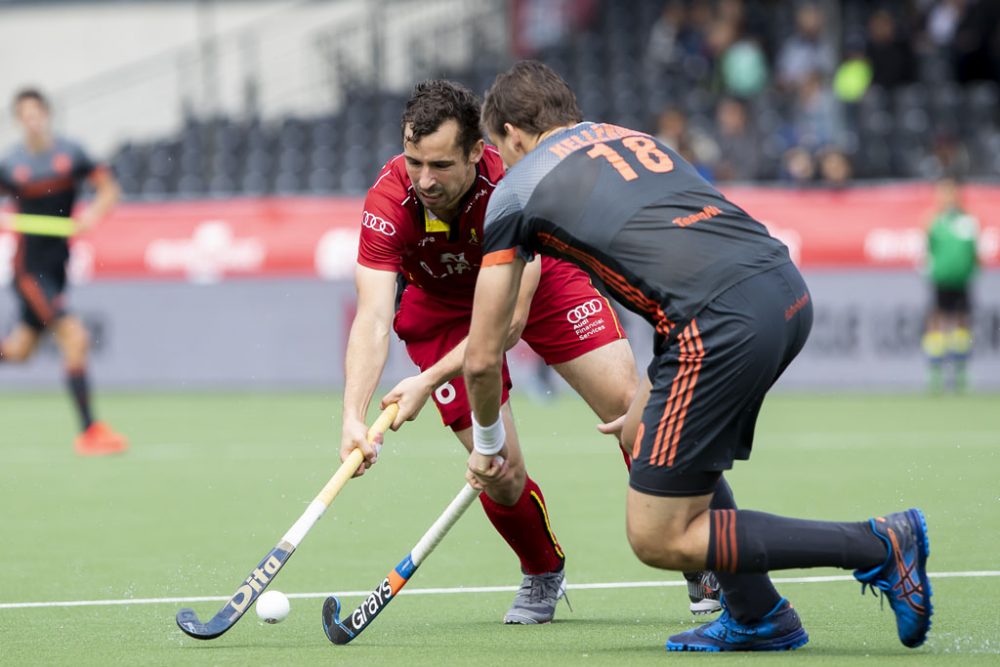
411	393
496	298
106	196
526	292
367	351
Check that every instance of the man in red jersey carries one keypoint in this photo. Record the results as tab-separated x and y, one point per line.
423	220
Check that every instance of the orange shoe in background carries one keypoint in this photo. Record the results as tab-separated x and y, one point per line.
100	440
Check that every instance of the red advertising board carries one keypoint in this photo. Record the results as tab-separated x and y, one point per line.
210	240
864	227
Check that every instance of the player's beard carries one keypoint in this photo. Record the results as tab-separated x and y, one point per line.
441	205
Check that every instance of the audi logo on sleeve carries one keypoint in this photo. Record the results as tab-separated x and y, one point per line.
377	224
585	310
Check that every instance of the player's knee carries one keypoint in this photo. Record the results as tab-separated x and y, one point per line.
82	338
13	353
661	550
76	340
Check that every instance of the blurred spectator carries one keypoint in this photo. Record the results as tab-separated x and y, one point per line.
816	118
948	155
854	74
806	51
693	145
798	166
743	68
890	54
739	146
678	40
942	22
701	16
663	50
538	24
741	63
835	168
721	35
730	11
976	45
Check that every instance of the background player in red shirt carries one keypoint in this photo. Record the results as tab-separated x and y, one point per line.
423	220
44	175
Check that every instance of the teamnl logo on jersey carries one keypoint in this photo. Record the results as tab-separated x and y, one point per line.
377	224
584	318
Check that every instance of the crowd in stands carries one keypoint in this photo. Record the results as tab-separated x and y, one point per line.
805	93
816	92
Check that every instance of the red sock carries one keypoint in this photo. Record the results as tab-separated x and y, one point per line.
525	526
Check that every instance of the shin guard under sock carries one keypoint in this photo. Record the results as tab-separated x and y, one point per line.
525	527
749	596
748	541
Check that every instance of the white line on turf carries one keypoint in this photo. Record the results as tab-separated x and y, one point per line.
460	590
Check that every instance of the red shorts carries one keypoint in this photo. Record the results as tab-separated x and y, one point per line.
568	318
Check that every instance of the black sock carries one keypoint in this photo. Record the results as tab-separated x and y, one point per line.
78	387
749	596
747	541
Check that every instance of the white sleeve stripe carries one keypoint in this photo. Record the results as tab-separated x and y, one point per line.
385	172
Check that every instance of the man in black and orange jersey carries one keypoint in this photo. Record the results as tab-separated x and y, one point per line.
730	312
43	176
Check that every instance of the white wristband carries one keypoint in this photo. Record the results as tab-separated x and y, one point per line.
488	440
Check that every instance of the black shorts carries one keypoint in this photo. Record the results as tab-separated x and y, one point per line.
709	383
40	295
952	300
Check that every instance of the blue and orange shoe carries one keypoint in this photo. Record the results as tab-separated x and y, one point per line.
779	630
902	578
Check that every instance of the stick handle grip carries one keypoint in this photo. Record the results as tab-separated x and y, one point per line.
383	421
443	524
353	462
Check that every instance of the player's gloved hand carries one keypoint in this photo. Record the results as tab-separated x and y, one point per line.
355	436
484	470
410	394
614	428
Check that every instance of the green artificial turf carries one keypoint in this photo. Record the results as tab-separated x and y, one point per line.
213	481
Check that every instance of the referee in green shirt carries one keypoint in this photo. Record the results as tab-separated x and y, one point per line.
951	264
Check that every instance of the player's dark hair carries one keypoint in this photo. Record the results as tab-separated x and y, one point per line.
435	101
529	96
29	94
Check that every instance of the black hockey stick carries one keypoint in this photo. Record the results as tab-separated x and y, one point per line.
266	570
341	632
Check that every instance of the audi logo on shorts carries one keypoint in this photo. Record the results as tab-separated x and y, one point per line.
377	224
585	310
